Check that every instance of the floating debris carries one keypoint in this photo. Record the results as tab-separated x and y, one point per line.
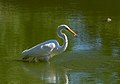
108	19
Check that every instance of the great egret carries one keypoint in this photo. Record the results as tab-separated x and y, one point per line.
49	48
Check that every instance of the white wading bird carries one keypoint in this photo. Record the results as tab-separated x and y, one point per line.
48	49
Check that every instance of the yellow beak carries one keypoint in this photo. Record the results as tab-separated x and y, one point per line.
70	30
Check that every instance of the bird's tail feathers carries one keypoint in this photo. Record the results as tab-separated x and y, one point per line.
25	54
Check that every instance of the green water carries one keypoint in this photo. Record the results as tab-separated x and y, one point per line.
93	58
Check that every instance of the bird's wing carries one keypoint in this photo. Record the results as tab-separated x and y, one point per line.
44	49
48	48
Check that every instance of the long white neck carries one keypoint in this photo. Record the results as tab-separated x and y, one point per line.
64	37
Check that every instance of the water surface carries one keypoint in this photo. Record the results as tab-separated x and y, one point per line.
93	58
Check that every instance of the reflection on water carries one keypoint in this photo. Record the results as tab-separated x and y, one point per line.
47	73
93	58
100	35
61	75
83	77
91	78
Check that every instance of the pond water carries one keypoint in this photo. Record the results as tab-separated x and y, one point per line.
93	58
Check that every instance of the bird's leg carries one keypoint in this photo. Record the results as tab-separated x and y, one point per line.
36	59
47	59
33	59
30	59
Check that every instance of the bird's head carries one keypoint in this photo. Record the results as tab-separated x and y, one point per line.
68	29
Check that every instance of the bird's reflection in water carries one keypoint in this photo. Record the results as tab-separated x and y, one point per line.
55	74
46	72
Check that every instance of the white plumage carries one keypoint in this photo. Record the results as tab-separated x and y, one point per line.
48	49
